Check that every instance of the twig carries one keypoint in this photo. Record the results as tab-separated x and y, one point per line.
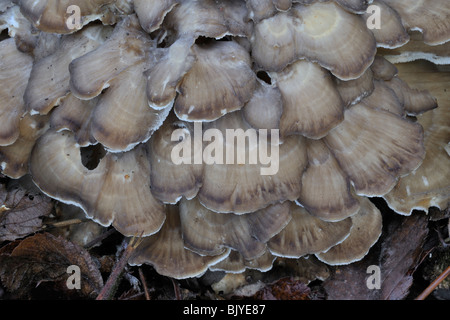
144	284
111	283
65	223
100	238
434	284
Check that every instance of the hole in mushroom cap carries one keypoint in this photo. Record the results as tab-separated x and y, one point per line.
91	155
264	76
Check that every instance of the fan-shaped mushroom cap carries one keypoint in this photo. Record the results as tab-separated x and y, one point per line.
326	191
365	231
391	32
14	157
432	18
49	79
209	18
347	47
384	98
122	118
165	76
352	91
306	234
264	109
52	15
151	13
127	45
15	68
208	233
382	69
19	28
386	146
311	104
220	81
116	192
414	101
165	251
236	263
172	180
230	186
75	115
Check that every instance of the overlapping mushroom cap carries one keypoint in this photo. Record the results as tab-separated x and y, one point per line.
229	132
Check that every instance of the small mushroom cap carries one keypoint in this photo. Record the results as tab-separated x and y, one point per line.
170	180
52	15
15	68
127	45
260	9
432	18
208	233
306	234
382	69
287	37
165	76
19	28
391	32
220	81
326	192
116	192
75	115
384	97
264	109
229	186
209	18
414	101
366	229
122	118
386	146
352	91
151	13
165	251
236	263
356	6
49	79
312	105
14	157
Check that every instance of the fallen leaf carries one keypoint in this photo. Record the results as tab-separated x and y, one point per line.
21	210
284	289
25	264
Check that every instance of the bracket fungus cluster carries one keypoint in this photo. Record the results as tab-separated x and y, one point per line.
326	122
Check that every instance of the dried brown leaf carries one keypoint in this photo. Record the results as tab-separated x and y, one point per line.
21	211
284	289
43	257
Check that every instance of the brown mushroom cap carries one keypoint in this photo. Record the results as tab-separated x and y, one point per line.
352	91
432	18
14	157
165	251
384	97
326	191
116	192
170	180
233	187
382	69
127	45
306	234
287	37
49	79
356	6
151	13
391	32
19	27
122	118
311	104
220	81
75	115
15	68
51	15
208	233
386	146
365	231
165	76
